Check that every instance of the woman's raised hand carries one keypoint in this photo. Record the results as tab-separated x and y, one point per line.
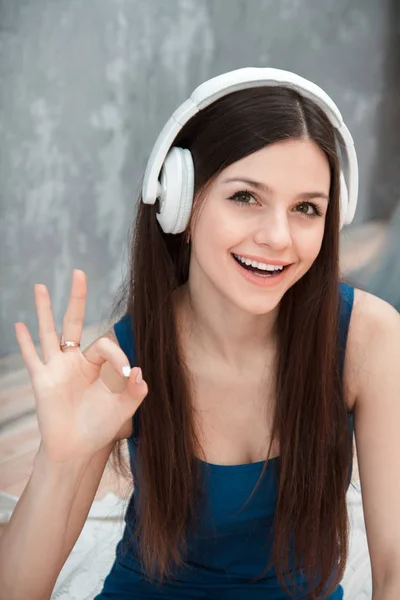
77	413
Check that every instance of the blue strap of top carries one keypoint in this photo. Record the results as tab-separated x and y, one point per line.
126	339
124	332
346	299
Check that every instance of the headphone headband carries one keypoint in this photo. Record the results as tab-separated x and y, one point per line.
240	79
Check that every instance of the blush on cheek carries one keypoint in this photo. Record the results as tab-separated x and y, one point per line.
308	247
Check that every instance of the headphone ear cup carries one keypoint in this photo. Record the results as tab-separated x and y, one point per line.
177	189
344	200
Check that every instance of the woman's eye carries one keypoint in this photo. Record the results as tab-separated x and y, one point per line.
305	209
242	197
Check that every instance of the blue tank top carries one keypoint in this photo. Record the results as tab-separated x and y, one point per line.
230	548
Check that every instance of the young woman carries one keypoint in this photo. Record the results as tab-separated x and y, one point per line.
251	364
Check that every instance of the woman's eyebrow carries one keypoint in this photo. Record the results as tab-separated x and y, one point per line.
265	188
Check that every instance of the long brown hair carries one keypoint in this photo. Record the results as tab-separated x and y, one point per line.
310	419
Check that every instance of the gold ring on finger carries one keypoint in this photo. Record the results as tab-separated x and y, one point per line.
68	344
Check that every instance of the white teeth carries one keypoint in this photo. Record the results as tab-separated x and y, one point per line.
258	265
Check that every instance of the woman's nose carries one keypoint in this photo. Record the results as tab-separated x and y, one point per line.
274	231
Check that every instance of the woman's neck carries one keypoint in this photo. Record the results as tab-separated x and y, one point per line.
227	335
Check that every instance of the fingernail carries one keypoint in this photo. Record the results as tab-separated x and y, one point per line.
139	377
126	370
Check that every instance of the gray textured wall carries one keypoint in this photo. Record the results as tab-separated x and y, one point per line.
86	86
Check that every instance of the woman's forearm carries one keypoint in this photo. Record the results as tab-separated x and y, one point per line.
389	589
31	546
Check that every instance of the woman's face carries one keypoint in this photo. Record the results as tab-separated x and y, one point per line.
263	207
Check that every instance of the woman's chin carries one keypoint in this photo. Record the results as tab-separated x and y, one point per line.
256	306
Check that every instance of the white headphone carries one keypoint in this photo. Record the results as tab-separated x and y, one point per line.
169	174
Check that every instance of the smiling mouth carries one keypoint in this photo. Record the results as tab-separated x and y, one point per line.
260	272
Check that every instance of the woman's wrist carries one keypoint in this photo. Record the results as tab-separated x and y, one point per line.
48	469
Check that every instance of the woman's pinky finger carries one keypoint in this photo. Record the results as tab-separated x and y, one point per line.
27	347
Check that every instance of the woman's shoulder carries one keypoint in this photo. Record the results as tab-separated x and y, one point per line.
372	322
371	316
